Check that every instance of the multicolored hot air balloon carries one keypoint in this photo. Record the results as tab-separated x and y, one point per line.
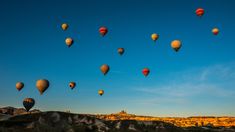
215	31
176	45
104	69
145	71
121	51
199	12
154	37
69	42
28	103
101	92
72	85
42	85
19	85
103	31
64	26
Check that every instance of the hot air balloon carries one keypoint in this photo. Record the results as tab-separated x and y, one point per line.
199	12
121	51
104	69
19	85
145	71
42	85
101	92
69	41
28	103
154	37
103	31
176	45
64	26
215	31
72	85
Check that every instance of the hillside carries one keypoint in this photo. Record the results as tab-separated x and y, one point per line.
54	121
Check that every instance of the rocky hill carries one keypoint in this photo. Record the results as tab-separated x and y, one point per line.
67	122
200	121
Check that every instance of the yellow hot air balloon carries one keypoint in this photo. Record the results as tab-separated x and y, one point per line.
104	69
19	85
42	85
64	26
69	41
176	45
28	103
154	36
215	31
121	51
101	92
72	85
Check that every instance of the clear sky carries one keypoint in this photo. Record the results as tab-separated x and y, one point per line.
198	80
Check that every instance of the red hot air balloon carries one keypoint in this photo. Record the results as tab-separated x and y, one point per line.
199	12
145	71
103	31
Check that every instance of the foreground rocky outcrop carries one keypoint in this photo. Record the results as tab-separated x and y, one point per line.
67	122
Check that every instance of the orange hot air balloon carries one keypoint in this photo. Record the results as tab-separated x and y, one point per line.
199	12
69	42
145	71
101	92
121	51
154	37
103	31
42	85
28	103
215	31
19	85
72	85
176	45
64	26
104	69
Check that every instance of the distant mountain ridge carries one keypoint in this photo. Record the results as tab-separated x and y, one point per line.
15	111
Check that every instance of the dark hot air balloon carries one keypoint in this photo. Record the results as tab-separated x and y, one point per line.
28	103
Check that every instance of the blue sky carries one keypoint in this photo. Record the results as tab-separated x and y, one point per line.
198	80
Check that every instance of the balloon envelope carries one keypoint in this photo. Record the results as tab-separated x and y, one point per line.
145	71
176	45
64	26
101	92
199	12
42	85
69	42
215	31
104	69
121	51
103	31
72	85
19	85
154	36
28	103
